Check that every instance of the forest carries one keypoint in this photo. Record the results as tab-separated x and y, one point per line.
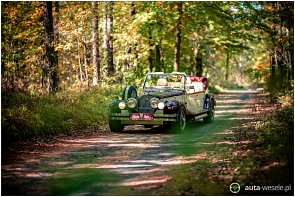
56	46
62	62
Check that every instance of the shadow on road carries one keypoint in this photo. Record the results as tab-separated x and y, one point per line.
138	157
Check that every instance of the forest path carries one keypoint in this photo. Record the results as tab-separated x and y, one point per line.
104	163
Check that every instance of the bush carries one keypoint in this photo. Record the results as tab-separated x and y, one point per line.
276	133
25	116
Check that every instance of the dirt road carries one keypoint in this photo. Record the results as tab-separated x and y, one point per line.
100	163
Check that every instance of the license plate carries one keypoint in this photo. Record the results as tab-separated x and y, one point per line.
141	116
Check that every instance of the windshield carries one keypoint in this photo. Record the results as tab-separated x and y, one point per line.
156	82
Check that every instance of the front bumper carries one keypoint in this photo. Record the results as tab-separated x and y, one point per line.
159	119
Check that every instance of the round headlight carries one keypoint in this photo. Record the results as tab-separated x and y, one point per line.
122	105
154	103
132	103
161	105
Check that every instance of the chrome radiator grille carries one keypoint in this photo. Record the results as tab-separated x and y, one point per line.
144	104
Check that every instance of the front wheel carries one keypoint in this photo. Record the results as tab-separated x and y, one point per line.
181	120
116	126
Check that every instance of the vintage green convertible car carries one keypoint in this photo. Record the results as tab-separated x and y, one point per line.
165	99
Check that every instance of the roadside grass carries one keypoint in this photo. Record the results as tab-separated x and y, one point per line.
26	117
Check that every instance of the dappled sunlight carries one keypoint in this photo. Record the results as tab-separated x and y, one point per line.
172	161
242	118
231	101
32	160
38	175
274	164
227	143
22	172
230	106
110	166
235	111
139	171
77	145
216	160
225	133
135	145
235	106
141	157
93	141
61	163
249	91
145	180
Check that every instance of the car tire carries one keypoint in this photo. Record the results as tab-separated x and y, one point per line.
116	126
181	122
210	118
129	92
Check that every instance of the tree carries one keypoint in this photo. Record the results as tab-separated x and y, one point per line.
199	63
227	37
95	48
178	37
108	37
51	60
158	63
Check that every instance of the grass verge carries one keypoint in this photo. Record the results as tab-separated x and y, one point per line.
25	116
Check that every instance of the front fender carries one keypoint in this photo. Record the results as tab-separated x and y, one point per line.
114	106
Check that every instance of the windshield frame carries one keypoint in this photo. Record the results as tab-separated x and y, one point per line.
164	74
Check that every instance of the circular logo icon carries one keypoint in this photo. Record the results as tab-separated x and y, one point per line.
234	188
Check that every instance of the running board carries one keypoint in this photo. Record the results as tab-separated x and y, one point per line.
201	116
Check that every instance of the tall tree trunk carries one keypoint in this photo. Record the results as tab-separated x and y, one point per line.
227	67
158	66
132	9
79	61
56	38
134	48
86	63
135	56
111	68
178	37
151	54
129	47
51	64
95	49
199	63
207	61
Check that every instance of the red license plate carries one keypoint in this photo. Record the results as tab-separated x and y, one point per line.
141	116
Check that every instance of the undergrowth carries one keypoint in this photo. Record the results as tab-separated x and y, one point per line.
25	116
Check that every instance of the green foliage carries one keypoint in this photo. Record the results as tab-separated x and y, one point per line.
276	133
241	29
25	116
80	181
